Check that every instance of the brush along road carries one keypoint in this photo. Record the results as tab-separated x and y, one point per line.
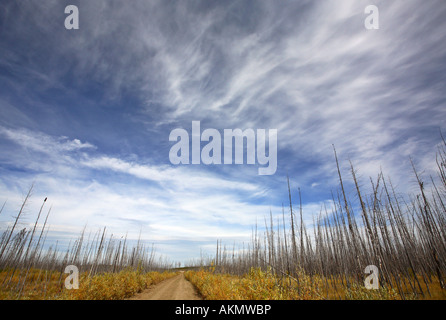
175	288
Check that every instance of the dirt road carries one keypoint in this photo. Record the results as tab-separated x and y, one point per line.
175	288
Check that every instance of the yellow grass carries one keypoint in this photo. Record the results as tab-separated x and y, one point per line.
338	290
42	284
260	285
257	285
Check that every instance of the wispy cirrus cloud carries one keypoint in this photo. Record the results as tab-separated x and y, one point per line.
38	141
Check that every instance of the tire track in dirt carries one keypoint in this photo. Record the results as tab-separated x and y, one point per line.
175	288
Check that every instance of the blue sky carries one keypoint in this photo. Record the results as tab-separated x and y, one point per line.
86	114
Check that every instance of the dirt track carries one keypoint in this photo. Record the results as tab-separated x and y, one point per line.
175	288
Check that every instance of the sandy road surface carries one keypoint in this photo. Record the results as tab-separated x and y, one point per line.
175	288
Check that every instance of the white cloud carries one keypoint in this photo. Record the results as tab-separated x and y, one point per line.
44	143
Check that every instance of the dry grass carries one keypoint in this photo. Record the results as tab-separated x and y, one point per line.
259	285
256	285
337	289
45	285
114	286
41	284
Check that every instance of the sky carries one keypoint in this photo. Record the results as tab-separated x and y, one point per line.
86	114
